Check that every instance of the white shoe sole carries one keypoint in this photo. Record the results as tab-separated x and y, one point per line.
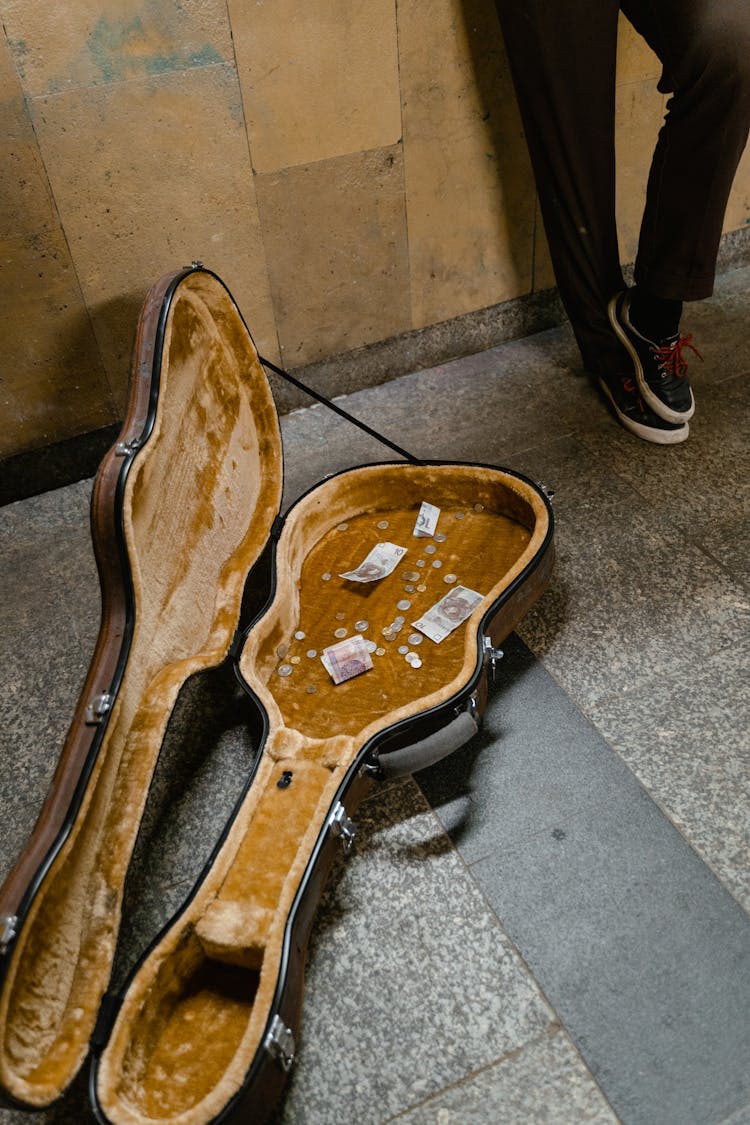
647	433
647	394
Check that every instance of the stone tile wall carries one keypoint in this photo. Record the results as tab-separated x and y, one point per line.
354	169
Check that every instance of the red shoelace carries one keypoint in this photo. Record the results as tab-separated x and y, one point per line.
670	358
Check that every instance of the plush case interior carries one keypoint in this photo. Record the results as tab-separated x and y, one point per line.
196	1011
199	499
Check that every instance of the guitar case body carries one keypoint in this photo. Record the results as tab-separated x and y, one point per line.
183	507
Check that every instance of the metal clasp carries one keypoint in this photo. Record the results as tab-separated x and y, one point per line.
471	705
492	656
548	492
125	448
8	929
279	1043
98	708
342	826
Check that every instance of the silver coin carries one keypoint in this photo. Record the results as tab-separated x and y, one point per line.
285	670
403	604
383	524
421	589
312	653
460	515
388	635
281	651
340	616
380	652
440	537
409	588
437	564
479	507
416	662
430	549
450	579
403	649
311	689
386	630
420	562
410	576
415	638
342	527
299	635
295	660
326	577
361	626
340	633
370	646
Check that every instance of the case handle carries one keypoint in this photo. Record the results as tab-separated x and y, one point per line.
409	759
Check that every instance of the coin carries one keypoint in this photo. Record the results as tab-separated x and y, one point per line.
410	576
285	670
421	589
342	527
281	651
416	663
479	507
370	646
415	638
295	660
326	577
437	564
386	630
460	515
399	620
312	653
360	626
420	562
340	633
383	524
403	649
380	652
409	588
340	616
450	579
299	635
403	604
430	549
440	537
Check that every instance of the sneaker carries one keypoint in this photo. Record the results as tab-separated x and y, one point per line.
632	411
660	367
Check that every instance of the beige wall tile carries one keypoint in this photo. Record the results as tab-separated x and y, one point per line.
147	176
319	79
53	384
470	194
636	62
87	42
738	208
335	237
25	201
639	116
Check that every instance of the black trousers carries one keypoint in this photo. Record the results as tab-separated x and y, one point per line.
562	56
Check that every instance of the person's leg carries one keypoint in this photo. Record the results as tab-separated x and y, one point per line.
562	58
704	47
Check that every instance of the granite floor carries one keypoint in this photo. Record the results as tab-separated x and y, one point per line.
552	925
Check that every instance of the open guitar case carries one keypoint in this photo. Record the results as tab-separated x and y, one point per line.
183	506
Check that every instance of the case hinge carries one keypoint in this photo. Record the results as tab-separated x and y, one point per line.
125	448
342	826
8	930
279	1042
98	707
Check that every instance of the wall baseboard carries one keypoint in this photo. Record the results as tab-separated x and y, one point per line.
39	470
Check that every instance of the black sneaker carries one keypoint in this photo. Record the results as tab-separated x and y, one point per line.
660	367
635	416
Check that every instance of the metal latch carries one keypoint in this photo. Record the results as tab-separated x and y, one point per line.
125	448
8	928
492	656
98	708
548	492
342	826
471	705
279	1043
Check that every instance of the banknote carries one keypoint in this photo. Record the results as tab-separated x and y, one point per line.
346	659
447	614
381	561
426	520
